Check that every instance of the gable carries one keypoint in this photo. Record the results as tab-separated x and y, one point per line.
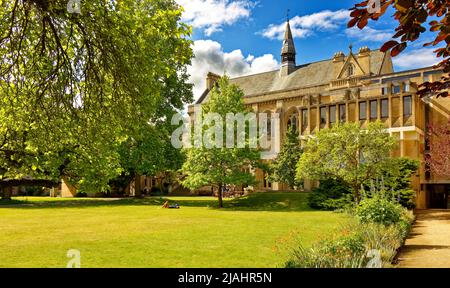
351	61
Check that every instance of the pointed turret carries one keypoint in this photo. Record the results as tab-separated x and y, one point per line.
288	52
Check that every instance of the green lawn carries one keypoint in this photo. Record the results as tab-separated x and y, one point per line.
138	233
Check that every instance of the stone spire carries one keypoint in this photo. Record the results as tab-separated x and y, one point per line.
288	52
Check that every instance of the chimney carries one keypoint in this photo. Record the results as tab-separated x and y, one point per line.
338	63
211	80
364	59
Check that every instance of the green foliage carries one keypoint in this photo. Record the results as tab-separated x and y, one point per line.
33	191
156	191
397	180
347	153
379	210
217	166
357	246
341	252
407	198
284	167
74	87
81	195
330	195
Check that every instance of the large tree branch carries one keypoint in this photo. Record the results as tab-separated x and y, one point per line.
28	182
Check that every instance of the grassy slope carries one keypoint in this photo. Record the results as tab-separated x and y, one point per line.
138	233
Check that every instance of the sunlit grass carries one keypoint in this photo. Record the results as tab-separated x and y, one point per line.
139	233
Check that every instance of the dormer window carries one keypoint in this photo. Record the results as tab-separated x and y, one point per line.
350	70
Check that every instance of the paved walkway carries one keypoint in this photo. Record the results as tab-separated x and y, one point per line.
428	245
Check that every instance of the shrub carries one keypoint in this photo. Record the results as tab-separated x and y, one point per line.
155	191
81	195
343	252
330	195
33	191
357	247
379	210
407	198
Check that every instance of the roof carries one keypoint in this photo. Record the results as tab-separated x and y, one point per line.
312	74
288	42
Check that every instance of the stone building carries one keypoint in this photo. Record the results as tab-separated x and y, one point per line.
360	86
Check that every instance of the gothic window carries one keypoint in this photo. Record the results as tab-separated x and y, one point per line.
305	118
293	122
350	70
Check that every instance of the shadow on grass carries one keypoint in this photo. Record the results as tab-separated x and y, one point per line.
282	202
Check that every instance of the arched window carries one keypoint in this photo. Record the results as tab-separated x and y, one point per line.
293	121
269	128
350	70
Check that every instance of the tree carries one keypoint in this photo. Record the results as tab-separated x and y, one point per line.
438	157
284	167
74	87
412	16
347	153
152	154
221	166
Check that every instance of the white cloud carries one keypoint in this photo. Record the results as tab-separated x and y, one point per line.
210	57
418	58
303	26
212	15
369	34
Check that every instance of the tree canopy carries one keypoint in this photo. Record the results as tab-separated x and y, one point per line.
75	86
220	166
438	157
412	17
347	153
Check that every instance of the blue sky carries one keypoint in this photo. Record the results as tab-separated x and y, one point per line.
241	37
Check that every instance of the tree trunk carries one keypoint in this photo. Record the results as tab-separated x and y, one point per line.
356	195
7	192
219	196
137	186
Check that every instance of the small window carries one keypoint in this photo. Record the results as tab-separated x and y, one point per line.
385	91
362	110
342	113
350	70
384	108
332	114
305	118
407	106
407	87
323	115
396	89
373	109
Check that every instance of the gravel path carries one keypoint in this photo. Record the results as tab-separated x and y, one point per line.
428	245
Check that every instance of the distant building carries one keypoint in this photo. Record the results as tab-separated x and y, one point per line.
358	87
